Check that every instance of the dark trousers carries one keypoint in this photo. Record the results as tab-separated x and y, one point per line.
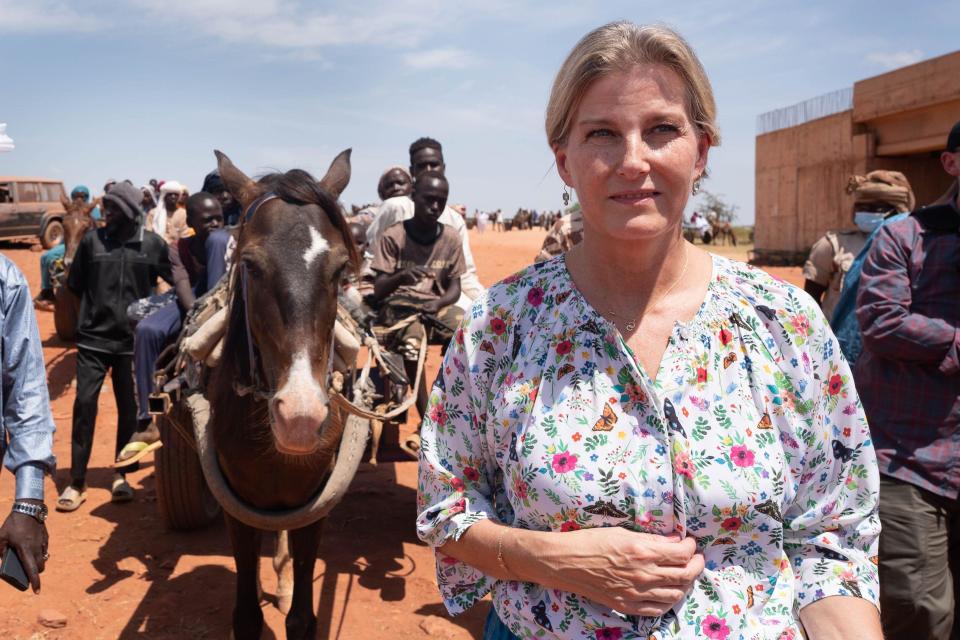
92	367
919	556
154	332
151	336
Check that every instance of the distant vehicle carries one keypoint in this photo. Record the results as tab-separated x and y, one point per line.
32	208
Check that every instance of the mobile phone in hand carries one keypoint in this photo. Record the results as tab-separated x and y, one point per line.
11	570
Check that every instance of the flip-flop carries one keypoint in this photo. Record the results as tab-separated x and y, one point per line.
71	499
134	451
411	446
120	490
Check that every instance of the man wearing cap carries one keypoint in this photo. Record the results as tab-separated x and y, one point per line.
877	195
908	377
114	265
44	300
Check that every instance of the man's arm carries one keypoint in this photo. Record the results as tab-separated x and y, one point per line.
819	268
27	421
163	268
181	279
888	326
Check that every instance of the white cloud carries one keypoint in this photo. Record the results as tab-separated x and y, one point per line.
450	58
895	59
289	25
43	16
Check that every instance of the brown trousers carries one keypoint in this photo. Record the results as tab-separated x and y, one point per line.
919	562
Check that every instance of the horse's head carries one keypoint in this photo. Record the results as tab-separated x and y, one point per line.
76	222
293	248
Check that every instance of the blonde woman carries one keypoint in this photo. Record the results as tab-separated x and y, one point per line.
639	439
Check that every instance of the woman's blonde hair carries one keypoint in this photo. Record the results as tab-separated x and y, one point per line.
618	46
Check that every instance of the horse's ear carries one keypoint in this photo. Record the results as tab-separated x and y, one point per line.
238	184
338	175
88	208
65	202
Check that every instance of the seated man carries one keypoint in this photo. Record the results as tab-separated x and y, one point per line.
418	264
198	263
426	154
45	299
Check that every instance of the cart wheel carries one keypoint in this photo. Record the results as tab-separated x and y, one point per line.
183	497
66	309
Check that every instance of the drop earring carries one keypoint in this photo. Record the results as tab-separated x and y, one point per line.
696	186
566	196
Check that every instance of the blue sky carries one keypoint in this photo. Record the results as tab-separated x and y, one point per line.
99	89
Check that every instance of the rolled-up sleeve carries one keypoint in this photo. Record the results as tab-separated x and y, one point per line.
888	326
27	422
455	481
832	526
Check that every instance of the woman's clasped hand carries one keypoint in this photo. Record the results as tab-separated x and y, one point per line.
633	573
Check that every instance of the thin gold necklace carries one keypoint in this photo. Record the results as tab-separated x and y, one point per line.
632	324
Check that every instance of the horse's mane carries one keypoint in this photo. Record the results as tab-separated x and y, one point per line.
299	187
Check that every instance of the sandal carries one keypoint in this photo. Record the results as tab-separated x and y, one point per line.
411	446
120	490
71	498
140	445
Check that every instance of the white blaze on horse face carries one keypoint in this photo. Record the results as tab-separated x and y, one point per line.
299	410
302	392
318	247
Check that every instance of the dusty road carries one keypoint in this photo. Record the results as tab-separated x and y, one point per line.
115	572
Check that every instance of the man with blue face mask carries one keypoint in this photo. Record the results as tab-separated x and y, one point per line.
876	195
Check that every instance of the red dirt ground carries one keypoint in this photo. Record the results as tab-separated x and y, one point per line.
115	572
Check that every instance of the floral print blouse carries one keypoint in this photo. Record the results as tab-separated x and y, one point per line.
751	439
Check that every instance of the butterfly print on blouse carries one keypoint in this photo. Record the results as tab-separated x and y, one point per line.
605	509
842	452
670	413
729	359
540	615
770	508
607	420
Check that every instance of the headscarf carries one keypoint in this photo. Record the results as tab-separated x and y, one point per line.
148	190
160	212
889	187
80	190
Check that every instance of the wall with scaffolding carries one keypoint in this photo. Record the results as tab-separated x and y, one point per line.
805	153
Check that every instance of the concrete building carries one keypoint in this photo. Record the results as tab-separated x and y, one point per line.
806	153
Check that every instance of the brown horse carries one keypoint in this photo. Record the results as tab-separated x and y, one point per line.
271	423
76	222
722	232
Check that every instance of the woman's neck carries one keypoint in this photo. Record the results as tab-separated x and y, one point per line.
639	270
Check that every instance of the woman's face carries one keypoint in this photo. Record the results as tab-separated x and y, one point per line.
632	153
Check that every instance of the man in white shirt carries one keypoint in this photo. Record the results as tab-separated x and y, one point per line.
426	154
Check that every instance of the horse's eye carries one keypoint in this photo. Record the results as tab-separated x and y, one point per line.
252	269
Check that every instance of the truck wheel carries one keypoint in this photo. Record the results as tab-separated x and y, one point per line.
183	497
52	234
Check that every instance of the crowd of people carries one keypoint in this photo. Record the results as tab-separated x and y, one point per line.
631	437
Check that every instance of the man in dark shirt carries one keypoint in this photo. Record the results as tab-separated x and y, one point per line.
198	262
908	377
418	264
114	266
